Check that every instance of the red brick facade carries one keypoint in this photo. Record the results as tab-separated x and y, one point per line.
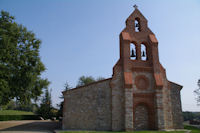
137	97
145	79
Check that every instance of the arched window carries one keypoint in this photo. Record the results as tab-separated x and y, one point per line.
137	25
132	51
143	52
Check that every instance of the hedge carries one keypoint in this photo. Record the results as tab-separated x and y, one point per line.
19	117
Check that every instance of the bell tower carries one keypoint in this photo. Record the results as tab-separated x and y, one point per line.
138	44
141	94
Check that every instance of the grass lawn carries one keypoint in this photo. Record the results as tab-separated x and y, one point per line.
193	130
123	132
15	112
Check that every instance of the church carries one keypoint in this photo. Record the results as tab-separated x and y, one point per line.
138	96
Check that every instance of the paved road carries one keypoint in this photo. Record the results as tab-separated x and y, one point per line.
36	126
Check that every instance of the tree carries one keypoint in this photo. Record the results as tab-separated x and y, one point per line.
20	64
100	78
10	106
31	107
84	80
45	109
67	86
60	111
197	92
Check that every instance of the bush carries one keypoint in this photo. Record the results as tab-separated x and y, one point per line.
19	117
15	112
191	115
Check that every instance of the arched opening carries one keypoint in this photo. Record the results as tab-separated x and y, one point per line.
143	52
141	121
137	25
132	51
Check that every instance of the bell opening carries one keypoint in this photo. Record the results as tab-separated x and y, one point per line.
132	51
143	52
137	25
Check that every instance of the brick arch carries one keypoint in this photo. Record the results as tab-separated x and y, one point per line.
134	50
139	24
148	105
134	42
144	85
148	51
150	109
144	42
137	48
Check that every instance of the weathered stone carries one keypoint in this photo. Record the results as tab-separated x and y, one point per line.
88	107
137	97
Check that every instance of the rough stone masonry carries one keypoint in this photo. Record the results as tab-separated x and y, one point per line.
138	96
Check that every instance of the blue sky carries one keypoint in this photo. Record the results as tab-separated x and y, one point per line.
82	38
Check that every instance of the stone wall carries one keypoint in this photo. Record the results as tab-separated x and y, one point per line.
159	123
117	99
88	107
167	108
176	106
129	109
141	118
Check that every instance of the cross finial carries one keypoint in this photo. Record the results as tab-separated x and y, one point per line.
135	6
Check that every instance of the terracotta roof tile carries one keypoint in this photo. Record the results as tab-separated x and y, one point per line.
128	79
153	38
158	79
126	36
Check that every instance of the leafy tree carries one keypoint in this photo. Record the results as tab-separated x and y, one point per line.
60	111
20	64
197	92
45	109
31	107
10	106
188	116
100	78
84	80
67	86
191	115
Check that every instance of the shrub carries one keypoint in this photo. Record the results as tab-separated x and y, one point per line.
19	117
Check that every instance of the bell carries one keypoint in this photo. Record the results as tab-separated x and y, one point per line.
137	25
133	53
143	54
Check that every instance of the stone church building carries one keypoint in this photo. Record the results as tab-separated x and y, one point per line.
138	96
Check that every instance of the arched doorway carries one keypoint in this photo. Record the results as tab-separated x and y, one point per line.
141	121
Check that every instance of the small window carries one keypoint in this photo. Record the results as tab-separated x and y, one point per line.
132	51
137	25
143	52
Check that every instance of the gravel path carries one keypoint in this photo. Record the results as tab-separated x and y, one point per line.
36	126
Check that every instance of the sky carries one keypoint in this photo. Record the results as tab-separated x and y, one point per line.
82	38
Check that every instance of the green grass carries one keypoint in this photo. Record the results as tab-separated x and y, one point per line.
15	112
123	132
6	115
193	129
